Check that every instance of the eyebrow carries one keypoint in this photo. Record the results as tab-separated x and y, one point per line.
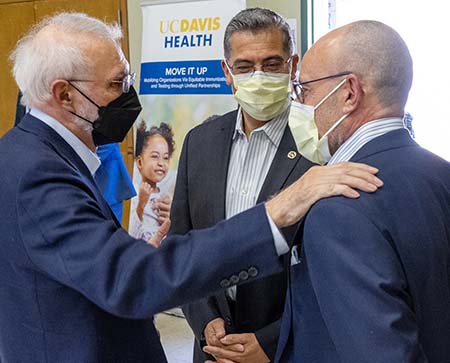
121	74
118	76
267	59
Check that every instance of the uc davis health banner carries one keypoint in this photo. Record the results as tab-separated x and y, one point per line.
181	85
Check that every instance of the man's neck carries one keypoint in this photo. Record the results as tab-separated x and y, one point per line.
61	117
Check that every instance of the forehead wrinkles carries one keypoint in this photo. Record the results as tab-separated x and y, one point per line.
256	44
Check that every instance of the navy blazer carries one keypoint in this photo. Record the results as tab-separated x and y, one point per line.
373	282
199	202
74	286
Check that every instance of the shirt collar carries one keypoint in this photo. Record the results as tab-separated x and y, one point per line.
363	135
273	129
86	155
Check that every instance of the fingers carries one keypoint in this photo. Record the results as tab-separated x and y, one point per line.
162	208
162	231
164	228
155	241
361	166
343	179
361	171
238	348
214	331
336	173
221	353
144	194
220	361
321	182
163	215
145	187
165	199
219	329
231	339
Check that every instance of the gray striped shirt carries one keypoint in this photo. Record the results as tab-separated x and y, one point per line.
363	135
250	160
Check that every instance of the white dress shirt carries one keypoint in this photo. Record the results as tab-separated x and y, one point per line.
90	158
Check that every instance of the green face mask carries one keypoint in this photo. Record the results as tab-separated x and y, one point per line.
262	95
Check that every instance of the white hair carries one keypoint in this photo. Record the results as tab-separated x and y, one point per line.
39	60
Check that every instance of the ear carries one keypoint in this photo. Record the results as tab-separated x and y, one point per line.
227	73
139	162
62	93
353	93
294	62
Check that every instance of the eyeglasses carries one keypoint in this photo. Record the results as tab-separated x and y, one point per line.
126	82
300	91
270	66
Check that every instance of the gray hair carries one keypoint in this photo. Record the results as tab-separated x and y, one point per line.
255	20
39	60
377	53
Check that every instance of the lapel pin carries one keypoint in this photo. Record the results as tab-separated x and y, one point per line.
292	154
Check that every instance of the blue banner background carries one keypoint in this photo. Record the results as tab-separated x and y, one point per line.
183	78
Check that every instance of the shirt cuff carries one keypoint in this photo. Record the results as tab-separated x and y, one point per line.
280	243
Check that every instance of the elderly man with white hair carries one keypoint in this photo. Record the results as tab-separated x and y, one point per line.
75	287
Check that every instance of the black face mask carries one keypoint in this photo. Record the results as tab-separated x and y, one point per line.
115	119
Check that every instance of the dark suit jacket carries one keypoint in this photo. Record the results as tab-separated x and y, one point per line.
112	175
74	286
373	284
199	202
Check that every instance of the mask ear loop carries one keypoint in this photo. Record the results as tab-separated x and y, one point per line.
331	92
337	123
83	94
73	113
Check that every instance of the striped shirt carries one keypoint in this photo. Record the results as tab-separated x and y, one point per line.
350	147
363	135
250	160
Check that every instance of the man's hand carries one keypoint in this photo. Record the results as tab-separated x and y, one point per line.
214	331
319	182
162	231
239	348
162	208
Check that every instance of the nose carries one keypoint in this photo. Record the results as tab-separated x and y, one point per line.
258	67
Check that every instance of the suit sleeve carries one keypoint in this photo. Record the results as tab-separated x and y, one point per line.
200	312
68	238
360	286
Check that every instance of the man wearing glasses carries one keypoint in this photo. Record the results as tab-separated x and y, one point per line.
75	287
371	283
251	155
